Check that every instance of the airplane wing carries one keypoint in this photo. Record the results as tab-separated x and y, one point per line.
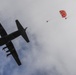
10	46
22	31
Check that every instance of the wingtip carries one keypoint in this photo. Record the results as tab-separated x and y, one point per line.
19	64
16	20
25	28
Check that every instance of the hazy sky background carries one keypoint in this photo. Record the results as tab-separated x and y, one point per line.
52	47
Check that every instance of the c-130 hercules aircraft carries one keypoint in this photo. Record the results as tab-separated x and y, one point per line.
6	40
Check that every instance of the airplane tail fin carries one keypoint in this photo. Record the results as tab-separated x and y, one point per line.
22	30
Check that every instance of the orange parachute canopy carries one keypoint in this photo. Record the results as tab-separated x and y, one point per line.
63	13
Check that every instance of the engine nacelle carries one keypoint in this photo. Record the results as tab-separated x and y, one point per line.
9	54
7	51
4	48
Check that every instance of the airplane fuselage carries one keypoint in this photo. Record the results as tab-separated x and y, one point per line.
8	38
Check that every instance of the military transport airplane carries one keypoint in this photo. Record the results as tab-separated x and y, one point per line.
6	40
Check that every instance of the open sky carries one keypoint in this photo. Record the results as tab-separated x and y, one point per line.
52	47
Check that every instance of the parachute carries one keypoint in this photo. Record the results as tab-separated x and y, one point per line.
63	14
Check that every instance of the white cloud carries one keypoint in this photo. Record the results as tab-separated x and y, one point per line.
52	45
